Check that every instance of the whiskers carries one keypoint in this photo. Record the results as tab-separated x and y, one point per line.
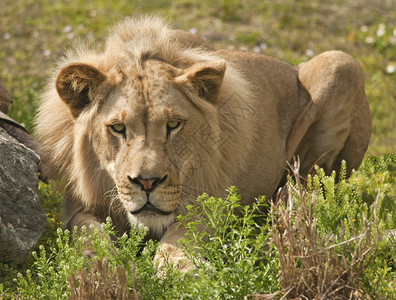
196	190
115	209
115	205
111	193
186	198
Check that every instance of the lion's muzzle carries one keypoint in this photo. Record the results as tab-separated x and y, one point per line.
148	185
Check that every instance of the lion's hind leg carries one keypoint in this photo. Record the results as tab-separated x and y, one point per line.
335	123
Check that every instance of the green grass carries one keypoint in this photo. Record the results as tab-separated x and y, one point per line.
35	34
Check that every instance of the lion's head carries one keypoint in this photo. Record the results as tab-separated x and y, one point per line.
140	124
141	119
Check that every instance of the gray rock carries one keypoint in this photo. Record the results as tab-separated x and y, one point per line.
18	132
22	219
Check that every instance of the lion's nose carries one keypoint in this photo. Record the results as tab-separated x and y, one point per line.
147	184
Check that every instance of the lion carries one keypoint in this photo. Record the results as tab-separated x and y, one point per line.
139	130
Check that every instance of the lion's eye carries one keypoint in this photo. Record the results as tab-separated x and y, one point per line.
118	128
173	125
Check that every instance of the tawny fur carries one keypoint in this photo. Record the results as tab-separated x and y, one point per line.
259	113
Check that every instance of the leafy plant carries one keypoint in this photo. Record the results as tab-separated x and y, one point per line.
230	247
46	279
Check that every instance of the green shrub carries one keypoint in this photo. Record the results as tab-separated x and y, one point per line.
230	247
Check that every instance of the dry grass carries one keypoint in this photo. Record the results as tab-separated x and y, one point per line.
99	282
312	267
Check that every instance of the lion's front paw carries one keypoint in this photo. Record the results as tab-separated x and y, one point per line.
173	257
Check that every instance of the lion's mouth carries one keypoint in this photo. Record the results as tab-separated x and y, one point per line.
149	207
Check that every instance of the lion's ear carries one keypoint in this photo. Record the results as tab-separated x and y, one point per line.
75	84
206	77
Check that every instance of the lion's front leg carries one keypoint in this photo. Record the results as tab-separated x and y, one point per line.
170	251
88	221
76	216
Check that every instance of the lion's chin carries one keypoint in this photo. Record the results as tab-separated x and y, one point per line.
156	223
